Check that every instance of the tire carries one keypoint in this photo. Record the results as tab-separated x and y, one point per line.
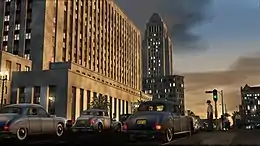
119	128
168	136
100	128
21	134
59	130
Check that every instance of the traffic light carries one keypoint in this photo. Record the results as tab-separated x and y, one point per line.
215	95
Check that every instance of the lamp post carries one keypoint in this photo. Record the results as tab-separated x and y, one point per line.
3	78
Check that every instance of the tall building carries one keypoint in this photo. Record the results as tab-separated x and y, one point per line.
79	49
157	64
169	88
250	103
157	52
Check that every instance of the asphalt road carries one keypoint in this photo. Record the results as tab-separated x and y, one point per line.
90	139
232	137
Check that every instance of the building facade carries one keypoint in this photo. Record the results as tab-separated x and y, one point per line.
79	49
250	102
157	52
170	88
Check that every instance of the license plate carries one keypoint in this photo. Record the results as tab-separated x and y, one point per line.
82	122
141	122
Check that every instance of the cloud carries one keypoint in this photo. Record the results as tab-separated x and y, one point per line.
180	15
244	71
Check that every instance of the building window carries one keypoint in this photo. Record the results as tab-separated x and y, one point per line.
27	68
16	37
7	18
7	28
81	100
88	99
115	107
5	38
126	104
18	67
73	103
17	26
28	35
110	106
8	66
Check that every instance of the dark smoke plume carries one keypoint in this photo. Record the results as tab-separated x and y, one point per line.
180	15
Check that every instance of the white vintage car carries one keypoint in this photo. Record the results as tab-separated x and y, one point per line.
96	120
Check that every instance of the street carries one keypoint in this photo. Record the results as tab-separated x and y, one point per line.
232	137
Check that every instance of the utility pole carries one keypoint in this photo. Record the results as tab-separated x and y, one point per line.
222	102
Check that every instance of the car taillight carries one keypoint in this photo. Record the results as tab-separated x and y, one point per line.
6	128
92	121
125	127
158	127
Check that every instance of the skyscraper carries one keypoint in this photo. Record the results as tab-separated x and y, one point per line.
157	64
157	49
79	49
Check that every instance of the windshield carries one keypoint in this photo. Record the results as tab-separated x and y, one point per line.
11	110
152	106
93	113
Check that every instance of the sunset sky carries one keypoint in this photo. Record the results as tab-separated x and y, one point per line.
223	38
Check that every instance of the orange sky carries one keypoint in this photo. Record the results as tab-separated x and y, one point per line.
244	71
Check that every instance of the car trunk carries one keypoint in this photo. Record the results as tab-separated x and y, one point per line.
83	121
144	120
4	118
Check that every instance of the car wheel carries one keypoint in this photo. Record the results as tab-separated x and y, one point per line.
119	128
59	130
21	134
168	135
100	128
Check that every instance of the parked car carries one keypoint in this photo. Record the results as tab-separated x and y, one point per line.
96	120
158	120
23	120
124	117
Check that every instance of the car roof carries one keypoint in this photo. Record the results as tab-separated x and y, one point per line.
24	105
96	110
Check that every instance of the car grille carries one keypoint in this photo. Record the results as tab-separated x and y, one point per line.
82	123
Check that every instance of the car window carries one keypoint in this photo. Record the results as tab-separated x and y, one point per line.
11	110
32	111
100	113
106	114
152	106
42	112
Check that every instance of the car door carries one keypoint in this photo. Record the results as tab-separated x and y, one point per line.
184	123
176	122
47	122
34	121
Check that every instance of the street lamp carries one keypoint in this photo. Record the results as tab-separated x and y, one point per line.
3	78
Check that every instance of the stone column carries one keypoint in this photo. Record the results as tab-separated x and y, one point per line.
113	105
44	98
117	109
85	100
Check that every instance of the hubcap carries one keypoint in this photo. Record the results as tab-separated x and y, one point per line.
22	133
59	130
169	135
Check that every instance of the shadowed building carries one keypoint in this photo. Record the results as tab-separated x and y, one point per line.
157	64
250	102
79	50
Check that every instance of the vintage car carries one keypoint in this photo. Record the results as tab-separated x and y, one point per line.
23	120
124	117
96	120
157	120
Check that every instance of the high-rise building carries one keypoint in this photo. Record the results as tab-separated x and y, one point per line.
157	52
250	103
79	49
157	64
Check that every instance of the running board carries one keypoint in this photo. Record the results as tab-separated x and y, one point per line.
182	132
